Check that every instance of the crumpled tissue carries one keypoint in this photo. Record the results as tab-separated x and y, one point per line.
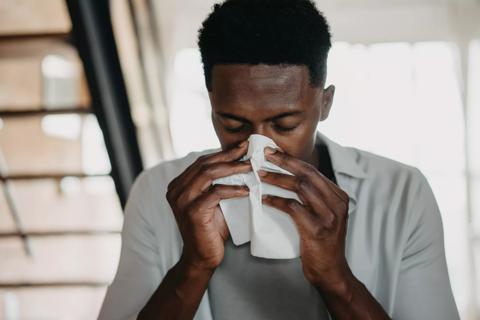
271	232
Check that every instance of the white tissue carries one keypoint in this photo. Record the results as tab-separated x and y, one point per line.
272	233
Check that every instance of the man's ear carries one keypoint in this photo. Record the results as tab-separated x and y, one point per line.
327	101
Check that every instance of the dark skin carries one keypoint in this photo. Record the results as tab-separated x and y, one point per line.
278	102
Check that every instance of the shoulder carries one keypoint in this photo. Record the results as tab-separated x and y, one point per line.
390	177
396	191
402	190
400	202
376	165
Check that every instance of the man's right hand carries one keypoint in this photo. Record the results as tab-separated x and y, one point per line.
195	204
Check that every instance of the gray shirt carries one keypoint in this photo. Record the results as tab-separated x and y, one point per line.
394	246
248	287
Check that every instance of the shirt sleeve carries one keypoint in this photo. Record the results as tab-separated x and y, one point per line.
138	273
423	289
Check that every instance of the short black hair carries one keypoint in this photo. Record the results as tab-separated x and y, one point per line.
272	32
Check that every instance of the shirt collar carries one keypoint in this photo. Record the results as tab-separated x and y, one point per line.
348	172
343	159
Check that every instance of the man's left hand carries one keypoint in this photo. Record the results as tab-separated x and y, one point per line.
321	219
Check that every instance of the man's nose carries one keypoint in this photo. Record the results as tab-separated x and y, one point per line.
259	129
264	130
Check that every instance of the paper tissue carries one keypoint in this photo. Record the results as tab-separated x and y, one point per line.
271	232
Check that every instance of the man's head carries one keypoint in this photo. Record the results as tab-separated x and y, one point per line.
265	69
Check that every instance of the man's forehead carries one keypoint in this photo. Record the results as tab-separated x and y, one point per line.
260	74
260	84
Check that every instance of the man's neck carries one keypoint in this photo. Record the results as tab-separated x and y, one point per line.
323	161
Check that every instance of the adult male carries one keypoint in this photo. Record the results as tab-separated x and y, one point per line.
370	231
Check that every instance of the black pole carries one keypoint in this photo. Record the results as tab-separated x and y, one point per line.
93	36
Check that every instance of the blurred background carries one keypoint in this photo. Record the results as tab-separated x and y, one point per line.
93	91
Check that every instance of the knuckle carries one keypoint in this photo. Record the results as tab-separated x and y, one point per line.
243	164
292	204
181	201
203	167
318	230
329	221
309	169
215	189
232	150
208	170
302	183
171	196
345	196
282	157
203	158
193	208
215	194
341	207
189	210
238	189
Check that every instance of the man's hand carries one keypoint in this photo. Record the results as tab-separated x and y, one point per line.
195	204
321	219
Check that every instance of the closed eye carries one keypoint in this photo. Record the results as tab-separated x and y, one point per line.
236	129
282	128
276	127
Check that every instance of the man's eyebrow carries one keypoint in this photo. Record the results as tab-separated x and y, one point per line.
276	117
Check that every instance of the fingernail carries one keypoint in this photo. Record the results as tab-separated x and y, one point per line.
269	150
262	173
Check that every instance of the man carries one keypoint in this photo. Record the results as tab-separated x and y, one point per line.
370	231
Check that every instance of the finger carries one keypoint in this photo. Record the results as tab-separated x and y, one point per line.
184	179
281	180
301	168
210	173
300	215
284	160
211	198
230	154
304	188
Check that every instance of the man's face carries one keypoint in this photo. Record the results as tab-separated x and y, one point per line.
274	101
